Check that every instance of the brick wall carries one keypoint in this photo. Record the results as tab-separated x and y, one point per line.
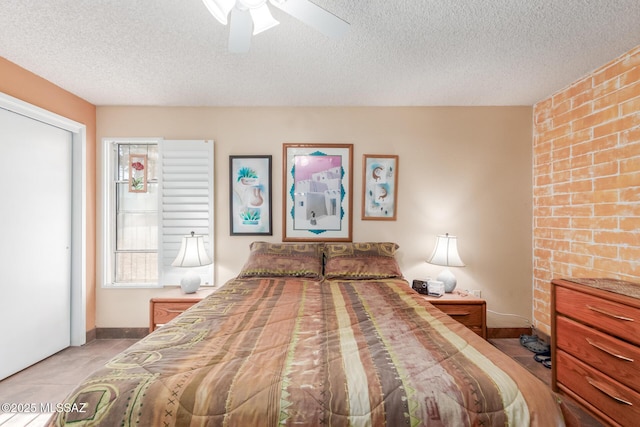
586	154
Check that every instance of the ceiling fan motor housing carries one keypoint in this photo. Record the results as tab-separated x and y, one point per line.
250	4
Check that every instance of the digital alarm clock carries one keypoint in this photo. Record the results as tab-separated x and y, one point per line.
420	286
430	287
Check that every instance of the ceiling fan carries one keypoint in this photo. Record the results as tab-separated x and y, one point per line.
250	17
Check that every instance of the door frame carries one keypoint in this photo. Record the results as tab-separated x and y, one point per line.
78	208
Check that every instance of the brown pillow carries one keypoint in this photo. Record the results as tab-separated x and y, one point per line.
283	260
369	260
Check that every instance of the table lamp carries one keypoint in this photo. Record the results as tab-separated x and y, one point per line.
446	253
191	254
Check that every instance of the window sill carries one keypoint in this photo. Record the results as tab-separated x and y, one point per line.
132	286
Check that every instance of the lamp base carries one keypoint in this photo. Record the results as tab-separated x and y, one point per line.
190	283
449	280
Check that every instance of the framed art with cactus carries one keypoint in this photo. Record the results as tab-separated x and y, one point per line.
250	195
379	187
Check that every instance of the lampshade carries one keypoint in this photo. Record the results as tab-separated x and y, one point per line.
192	252
446	253
220	9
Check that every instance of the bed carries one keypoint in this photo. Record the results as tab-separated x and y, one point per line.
312	334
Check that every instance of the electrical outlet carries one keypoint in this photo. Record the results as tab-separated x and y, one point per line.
476	293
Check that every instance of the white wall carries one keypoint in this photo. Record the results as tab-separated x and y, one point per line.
466	171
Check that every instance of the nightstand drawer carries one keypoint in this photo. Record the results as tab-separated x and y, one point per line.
164	312
467	314
172	304
468	310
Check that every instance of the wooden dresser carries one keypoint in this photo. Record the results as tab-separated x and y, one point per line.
595	344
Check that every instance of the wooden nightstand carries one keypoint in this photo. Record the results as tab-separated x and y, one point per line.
465	308
171	304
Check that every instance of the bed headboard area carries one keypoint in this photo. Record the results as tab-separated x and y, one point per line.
364	260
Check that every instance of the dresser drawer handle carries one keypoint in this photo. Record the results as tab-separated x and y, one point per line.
174	311
603	388
459	313
606	313
609	351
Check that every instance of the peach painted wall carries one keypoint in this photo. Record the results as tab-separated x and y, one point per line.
26	86
466	171
586	158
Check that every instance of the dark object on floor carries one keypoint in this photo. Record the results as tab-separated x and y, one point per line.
544	358
533	343
542	355
524	338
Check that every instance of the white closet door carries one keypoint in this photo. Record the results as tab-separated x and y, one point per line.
35	240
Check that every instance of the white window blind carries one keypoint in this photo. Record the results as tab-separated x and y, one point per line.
186	204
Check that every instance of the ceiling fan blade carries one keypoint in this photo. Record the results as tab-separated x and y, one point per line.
314	16
240	31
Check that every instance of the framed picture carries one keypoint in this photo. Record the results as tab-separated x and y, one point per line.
379	187
138	173
250	195
317	192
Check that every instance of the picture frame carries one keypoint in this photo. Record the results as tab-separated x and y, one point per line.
379	187
138	173
250	207
317	192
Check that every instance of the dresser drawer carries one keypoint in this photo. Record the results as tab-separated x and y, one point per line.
469	315
618	359
163	312
607	396
609	316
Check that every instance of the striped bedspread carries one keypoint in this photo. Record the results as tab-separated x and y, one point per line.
276	351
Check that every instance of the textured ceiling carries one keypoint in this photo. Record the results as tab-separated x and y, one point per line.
397	52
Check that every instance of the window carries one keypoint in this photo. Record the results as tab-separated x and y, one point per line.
135	247
155	191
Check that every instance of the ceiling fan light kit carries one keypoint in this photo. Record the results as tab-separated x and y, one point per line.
251	17
262	18
220	9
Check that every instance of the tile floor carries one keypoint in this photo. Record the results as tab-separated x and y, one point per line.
49	381
512	347
52	379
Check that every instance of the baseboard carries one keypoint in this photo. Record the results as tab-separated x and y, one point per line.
507	332
515	333
91	335
120	333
